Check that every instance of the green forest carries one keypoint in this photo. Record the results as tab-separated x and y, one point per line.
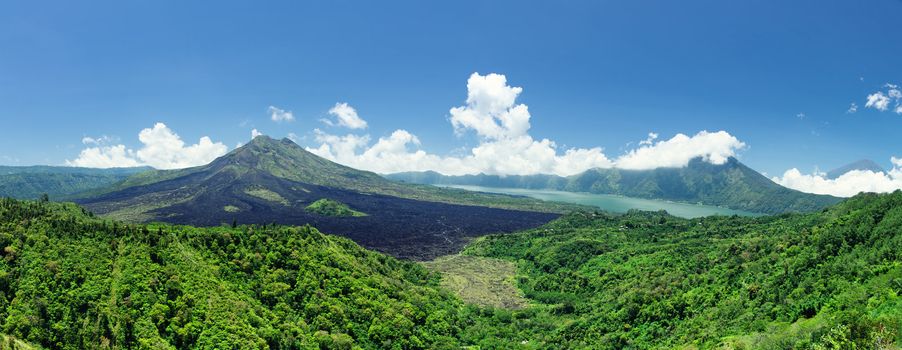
826	280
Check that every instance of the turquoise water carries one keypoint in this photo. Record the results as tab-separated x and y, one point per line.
613	203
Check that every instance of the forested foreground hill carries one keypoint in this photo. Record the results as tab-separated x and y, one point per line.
830	280
68	280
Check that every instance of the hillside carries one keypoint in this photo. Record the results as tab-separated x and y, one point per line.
829	280
276	181
30	182
731	185
71	281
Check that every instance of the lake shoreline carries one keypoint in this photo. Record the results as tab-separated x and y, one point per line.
612	202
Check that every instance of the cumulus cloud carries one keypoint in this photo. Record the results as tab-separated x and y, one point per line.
852	108
890	99
846	185
162	149
505	145
279	115
255	133
490	110
878	101
342	149
712	147
346	116
106	157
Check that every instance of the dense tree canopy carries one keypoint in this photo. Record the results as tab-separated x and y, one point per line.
827	280
68	280
647	280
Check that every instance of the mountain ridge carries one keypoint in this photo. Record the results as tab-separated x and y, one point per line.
58	182
732	185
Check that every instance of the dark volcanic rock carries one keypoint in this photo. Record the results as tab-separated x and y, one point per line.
405	228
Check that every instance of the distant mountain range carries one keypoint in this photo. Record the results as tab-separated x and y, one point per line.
732	185
30	182
863	164
277	181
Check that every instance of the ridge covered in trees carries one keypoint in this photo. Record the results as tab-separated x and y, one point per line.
72	281
642	280
828	280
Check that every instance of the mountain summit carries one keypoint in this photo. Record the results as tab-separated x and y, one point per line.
861	164
277	181
285	159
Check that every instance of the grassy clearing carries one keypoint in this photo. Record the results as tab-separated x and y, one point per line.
480	280
11	343
231	209
328	207
268	195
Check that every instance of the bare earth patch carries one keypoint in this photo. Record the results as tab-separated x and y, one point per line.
479	280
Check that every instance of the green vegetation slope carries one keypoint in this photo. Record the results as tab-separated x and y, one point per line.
328	207
71	281
829	280
31	182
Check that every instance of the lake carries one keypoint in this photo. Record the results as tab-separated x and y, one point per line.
612	203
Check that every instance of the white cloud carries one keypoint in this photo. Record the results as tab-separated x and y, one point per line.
891	99
878	101
505	146
714	148
162	149
342	149
105	157
491	112
255	133
651	138
104	139
490	109
279	115
852	108
846	185
347	117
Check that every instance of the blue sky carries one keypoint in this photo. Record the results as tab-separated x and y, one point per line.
593	73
